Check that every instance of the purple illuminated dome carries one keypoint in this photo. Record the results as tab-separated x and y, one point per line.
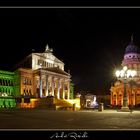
132	55
132	48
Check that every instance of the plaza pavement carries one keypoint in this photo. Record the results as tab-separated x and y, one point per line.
38	119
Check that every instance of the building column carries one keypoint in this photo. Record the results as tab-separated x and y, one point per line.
112	98
47	85
117	98
40	85
52	86
133	97
63	86
68	92
58	91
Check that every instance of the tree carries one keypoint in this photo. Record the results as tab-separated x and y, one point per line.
71	90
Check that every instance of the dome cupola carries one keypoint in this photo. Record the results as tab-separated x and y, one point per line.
132	48
132	54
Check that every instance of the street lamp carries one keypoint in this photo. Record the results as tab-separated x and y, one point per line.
125	74
40	80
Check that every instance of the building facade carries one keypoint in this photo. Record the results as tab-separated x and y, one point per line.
38	76
132	61
7	89
42	75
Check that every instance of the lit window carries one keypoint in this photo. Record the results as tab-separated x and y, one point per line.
30	82
24	81
30	92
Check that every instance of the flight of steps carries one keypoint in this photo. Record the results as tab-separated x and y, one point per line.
63	105
45	103
54	104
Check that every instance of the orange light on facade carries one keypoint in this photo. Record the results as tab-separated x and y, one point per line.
33	103
125	74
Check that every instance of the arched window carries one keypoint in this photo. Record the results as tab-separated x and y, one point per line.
12	83
24	81
24	92
9	82
30	82
30	93
3	82
6	82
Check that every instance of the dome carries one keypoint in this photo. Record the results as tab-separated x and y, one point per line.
131	48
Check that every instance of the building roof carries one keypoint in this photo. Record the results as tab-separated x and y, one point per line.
6	72
132	48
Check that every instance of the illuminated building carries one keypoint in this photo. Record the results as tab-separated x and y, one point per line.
42	75
7	89
132	61
46	59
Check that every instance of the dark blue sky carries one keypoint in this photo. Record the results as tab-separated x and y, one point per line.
91	42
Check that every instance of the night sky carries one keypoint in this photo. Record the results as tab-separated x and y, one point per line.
91	42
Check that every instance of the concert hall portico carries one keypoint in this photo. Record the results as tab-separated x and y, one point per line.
51	82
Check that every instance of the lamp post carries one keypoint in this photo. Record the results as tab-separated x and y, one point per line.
125	74
40	80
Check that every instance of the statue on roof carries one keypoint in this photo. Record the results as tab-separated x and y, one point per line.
48	49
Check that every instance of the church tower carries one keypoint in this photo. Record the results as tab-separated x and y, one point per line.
132	61
132	57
